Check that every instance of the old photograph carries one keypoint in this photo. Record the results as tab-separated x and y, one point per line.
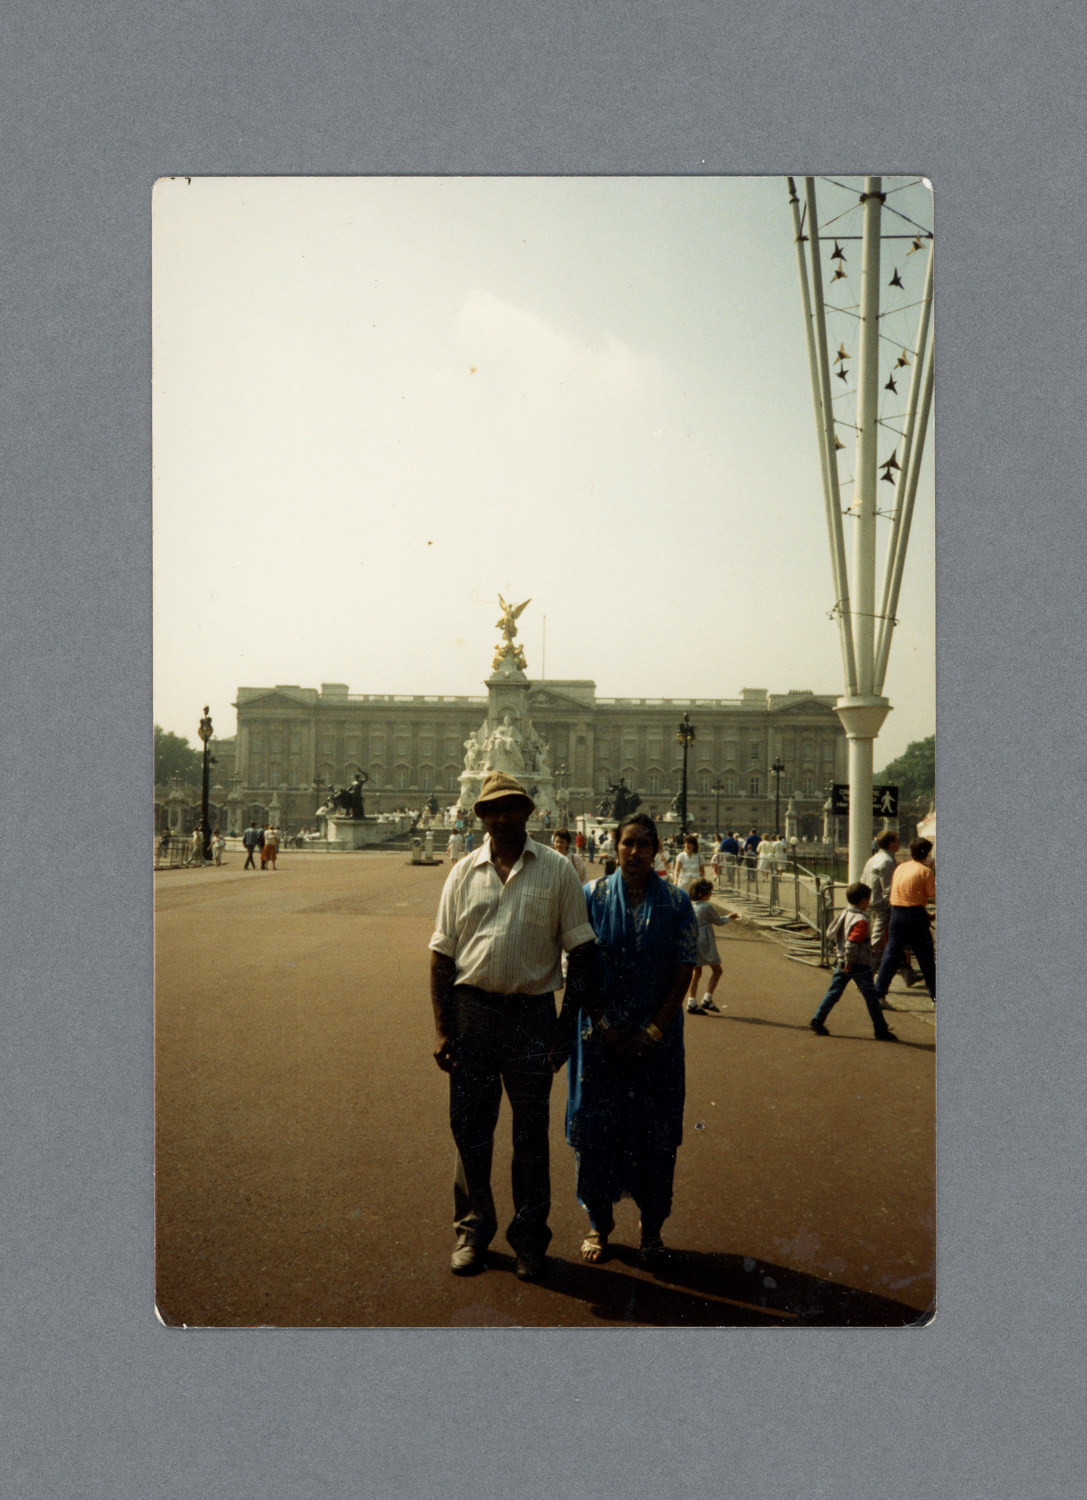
544	718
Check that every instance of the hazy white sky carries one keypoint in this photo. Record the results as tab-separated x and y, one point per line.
380	402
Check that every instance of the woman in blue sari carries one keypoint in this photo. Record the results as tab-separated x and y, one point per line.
624	1116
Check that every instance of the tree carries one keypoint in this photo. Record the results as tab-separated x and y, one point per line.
914	772
174	756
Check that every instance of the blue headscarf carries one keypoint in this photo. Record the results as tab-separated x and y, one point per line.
641	947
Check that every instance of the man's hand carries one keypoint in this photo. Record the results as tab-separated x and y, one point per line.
445	1052
562	1041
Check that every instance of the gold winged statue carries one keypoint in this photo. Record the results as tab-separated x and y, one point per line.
508	627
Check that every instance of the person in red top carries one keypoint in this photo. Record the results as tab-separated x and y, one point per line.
913	887
852	938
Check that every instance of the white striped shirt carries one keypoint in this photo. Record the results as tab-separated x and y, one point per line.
510	938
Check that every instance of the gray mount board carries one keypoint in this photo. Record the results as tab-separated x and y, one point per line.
97	102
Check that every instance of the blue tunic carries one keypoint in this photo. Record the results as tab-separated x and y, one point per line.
637	1106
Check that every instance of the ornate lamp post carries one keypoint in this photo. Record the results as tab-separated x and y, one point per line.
205	831
717	789
777	768
686	737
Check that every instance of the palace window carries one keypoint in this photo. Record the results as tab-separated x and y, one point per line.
704	783
756	750
731	751
809	784
730	785
755	786
401	781
809	752
654	783
424	778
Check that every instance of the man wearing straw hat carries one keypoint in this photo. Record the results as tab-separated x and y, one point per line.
507	914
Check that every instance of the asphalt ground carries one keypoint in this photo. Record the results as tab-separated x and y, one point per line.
304	1163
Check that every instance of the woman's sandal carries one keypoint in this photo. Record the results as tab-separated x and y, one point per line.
594	1247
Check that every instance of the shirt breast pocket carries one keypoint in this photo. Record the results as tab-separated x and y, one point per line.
539	912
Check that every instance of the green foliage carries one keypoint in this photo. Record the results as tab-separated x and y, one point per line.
914	772
174	756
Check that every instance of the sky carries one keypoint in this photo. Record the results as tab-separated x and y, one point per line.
381	402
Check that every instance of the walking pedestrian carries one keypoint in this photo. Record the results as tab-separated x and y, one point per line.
707	917
913	887
270	847
505	918
688	866
850	934
560	841
253	840
730	853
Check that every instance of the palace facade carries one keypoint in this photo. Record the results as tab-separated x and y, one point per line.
293	743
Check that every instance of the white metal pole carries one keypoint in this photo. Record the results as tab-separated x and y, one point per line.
834	518
862	713
910	485
824	421
895	545
864	500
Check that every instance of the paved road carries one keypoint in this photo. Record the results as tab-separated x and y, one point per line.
304	1163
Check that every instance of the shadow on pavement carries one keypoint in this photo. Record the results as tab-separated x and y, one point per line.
841	1036
692	1289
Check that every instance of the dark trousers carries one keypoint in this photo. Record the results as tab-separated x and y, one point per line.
861	976
502	1042
909	928
249	865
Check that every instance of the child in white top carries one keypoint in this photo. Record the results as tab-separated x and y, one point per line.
708	918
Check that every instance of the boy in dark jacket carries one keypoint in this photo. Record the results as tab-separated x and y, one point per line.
852	939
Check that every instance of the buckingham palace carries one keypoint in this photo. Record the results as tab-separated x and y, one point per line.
294	743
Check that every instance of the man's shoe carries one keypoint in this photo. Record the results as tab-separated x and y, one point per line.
708	1003
529	1267
886	1036
693	1008
468	1260
818	1028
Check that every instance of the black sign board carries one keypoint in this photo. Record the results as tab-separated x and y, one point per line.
884	800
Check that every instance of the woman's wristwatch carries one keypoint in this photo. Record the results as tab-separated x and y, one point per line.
654	1033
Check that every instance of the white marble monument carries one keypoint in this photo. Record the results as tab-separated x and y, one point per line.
506	740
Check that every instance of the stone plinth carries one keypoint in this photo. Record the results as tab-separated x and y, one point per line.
363	833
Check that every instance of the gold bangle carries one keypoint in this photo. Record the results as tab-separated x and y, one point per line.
653	1032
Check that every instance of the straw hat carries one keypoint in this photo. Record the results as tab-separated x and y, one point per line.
497	785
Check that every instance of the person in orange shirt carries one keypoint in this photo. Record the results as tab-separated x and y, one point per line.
913	888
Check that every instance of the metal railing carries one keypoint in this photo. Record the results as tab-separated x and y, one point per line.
175	852
783	888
